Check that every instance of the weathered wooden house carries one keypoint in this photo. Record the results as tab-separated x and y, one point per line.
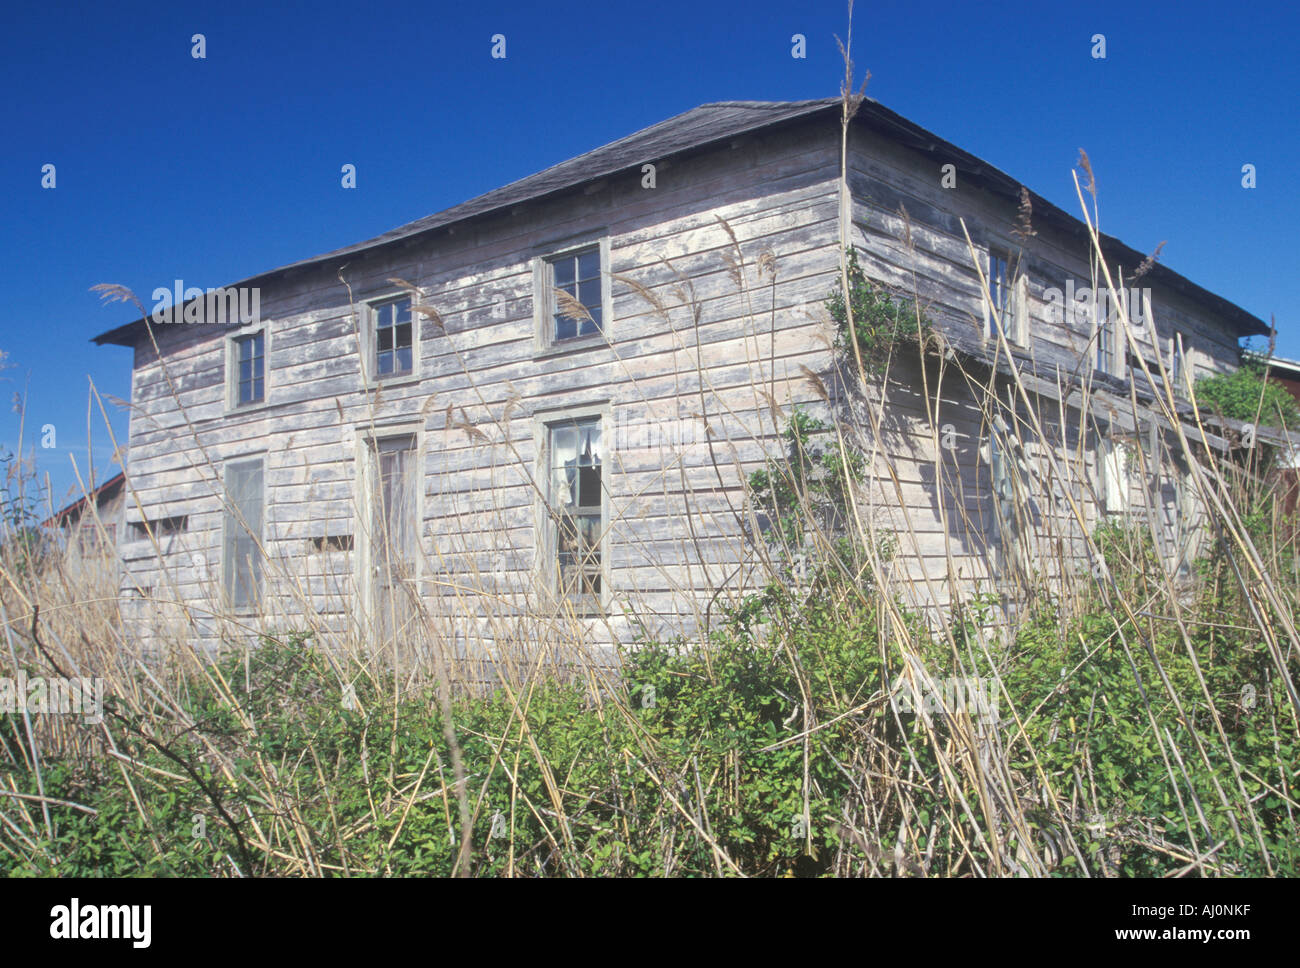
539	406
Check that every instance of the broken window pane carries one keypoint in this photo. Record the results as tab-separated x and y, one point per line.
576	504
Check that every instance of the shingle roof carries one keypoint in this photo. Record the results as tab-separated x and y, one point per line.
712	123
696	128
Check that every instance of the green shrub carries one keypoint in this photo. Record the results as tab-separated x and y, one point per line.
701	747
1103	717
1244	394
808	487
880	321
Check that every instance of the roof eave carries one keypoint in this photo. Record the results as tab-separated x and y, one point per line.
58	518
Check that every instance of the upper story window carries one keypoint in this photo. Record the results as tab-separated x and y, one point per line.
1008	301
578	275
572	298
250	369
1105	329
247	351
393	337
1177	366
999	281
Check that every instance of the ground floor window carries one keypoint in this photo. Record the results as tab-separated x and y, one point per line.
242	534
575	518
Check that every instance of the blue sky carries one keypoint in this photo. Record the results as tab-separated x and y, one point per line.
212	170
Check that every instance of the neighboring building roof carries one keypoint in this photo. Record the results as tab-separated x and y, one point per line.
1289	368
105	491
712	123
1283	372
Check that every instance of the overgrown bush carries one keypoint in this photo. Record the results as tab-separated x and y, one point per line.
1245	394
806	490
777	750
879	321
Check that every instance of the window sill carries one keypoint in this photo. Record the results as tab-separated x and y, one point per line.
568	346
586	614
400	380
992	339
232	410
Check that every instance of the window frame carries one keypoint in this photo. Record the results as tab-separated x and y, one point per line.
544	295
1105	333
1017	289
546	565
232	342
164	526
370	333
1178	371
228	522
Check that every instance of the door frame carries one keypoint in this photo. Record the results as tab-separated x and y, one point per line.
365	439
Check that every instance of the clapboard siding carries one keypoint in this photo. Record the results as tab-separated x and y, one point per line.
683	385
888	178
479	508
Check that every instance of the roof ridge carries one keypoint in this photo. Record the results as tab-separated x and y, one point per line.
769	104
638	133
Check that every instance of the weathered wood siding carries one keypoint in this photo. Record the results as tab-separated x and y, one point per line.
695	368
674	538
937	500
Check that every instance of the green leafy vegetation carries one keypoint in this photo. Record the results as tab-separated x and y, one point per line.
701	763
879	321
806	491
1244	394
